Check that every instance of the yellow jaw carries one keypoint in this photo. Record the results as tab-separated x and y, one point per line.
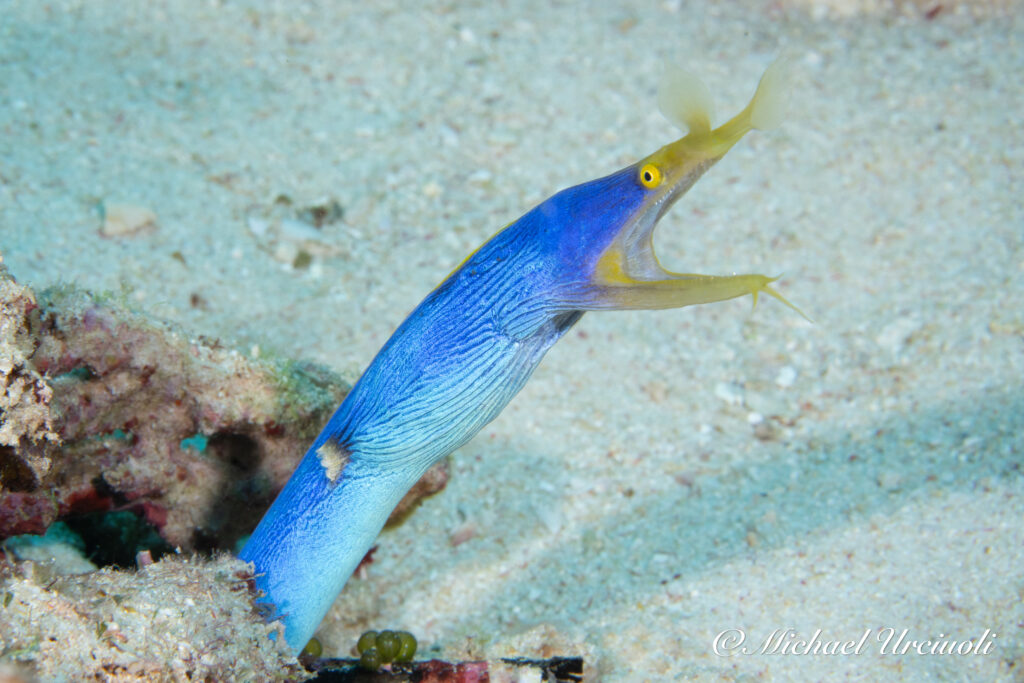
628	273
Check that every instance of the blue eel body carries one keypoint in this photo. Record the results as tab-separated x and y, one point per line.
468	348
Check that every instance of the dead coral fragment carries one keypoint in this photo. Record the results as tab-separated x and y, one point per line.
24	395
194	436
27	433
123	220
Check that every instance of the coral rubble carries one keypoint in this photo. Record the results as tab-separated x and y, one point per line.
175	620
26	425
107	410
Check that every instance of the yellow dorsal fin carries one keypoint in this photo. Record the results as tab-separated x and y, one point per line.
765	109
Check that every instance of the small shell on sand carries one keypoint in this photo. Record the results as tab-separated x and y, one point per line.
120	219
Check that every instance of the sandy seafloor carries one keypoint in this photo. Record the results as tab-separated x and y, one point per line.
665	476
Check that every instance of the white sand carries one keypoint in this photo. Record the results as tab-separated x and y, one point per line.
624	499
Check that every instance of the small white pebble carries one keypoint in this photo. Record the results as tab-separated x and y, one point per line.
704	434
786	376
464	533
730	392
285	252
895	335
550	517
890	481
295	229
432	189
257	226
449	136
755	418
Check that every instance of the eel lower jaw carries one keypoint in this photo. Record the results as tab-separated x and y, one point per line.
635	240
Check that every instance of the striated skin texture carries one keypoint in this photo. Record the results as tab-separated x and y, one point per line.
471	345
448	370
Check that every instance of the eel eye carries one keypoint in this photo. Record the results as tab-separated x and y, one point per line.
650	176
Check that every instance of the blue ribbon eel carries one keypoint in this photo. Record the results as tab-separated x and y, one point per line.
474	341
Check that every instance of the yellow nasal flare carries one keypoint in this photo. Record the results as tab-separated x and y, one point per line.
686	101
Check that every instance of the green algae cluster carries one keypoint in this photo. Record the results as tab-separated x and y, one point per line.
384	647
